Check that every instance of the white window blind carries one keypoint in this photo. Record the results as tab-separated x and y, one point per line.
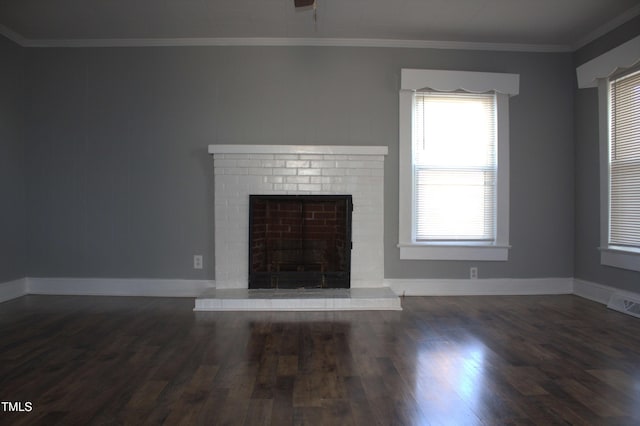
624	161
455	167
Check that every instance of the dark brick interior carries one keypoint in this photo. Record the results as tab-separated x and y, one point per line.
299	241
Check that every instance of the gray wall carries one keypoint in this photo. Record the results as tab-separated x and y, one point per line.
12	165
119	177
587	256
120	184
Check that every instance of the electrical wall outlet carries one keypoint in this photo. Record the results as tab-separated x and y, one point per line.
473	273
197	261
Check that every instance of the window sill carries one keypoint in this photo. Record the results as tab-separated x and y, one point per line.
430	251
620	258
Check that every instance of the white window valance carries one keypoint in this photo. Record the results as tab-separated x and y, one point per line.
449	81
624	56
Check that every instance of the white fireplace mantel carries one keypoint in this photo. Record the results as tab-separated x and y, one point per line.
243	170
298	149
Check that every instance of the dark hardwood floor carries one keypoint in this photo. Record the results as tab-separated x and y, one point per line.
443	360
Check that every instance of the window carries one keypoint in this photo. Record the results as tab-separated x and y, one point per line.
622	233
614	75
454	165
624	161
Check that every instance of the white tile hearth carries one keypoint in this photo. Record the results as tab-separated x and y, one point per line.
361	299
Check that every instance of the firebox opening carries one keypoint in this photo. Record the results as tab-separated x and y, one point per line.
299	241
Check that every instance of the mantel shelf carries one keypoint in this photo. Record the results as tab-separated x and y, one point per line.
298	149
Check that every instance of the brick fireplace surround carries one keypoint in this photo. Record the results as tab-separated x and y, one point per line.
241	170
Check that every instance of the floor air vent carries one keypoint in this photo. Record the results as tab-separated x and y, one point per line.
625	303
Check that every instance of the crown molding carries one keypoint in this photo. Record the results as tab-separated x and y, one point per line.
280	41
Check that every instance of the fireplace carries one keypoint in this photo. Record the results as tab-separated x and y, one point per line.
300	170
300	241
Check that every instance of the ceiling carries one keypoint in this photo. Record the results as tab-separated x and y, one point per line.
564	24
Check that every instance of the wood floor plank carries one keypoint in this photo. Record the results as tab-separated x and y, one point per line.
539	360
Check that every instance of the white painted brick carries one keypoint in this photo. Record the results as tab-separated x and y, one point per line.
286	156
235	156
260	171
284	171
225	163
285	187
238	201
263	188
297	164
248	163
309	187
323	164
374	164
272	163
358	172
350	164
235	171
333	172
309	172
321	179
310	156
351	180
227	180
249	180
273	179
335	188
297	179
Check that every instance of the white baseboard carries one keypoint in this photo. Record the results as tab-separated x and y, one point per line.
480	287
596	292
118	287
409	287
12	289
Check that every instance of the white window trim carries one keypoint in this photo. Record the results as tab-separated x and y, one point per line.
504	85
